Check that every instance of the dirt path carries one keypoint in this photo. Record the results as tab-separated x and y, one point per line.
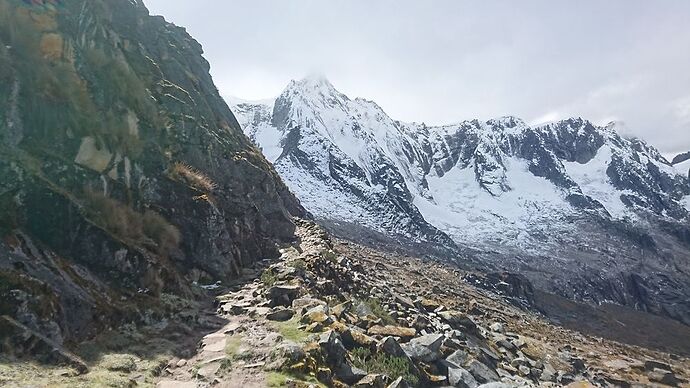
232	356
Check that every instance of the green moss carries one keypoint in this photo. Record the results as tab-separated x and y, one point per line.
232	346
290	330
278	379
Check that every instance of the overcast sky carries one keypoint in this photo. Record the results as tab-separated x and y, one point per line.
540	60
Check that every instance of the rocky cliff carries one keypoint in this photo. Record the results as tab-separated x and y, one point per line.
124	177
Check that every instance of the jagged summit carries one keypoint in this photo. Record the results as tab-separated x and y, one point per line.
521	196
314	86
315	79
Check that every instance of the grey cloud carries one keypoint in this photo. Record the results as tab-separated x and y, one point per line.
447	60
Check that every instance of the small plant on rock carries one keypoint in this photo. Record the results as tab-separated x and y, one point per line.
298	264
329	255
390	366
377	309
193	177
268	278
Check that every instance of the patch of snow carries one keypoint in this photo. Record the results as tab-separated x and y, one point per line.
468	213
595	183
326	200
682	168
686	202
268	138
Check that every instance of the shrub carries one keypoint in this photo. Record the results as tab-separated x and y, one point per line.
298	264
391	366
329	255
268	278
149	229
193	177
160	230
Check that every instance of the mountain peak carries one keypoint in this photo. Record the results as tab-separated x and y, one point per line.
315	81
316	78
312	87
507	122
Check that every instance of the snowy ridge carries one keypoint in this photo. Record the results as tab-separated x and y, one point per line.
499	183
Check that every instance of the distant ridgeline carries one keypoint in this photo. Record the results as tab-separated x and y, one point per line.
681	158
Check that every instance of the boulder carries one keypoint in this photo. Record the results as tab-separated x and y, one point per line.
318	314
306	303
497	327
653	364
663	376
349	374
481	372
396	331
399	383
460	377
372	381
283	294
458	320
341	309
425	348
390	346
458	357
280	315
361	339
332	348
404	301
506	344
420	322
427	304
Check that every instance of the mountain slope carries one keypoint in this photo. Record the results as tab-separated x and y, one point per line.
123	174
682	163
579	209
347	169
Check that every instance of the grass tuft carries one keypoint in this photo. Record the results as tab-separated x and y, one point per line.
268	278
381	363
377	309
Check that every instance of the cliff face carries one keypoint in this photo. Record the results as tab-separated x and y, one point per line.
123	174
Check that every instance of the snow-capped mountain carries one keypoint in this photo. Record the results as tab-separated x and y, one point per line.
579	207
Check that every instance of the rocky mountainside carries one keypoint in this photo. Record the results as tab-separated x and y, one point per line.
124	177
333	313
576	207
682	162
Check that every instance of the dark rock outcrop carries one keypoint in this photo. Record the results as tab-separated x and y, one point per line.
123	174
